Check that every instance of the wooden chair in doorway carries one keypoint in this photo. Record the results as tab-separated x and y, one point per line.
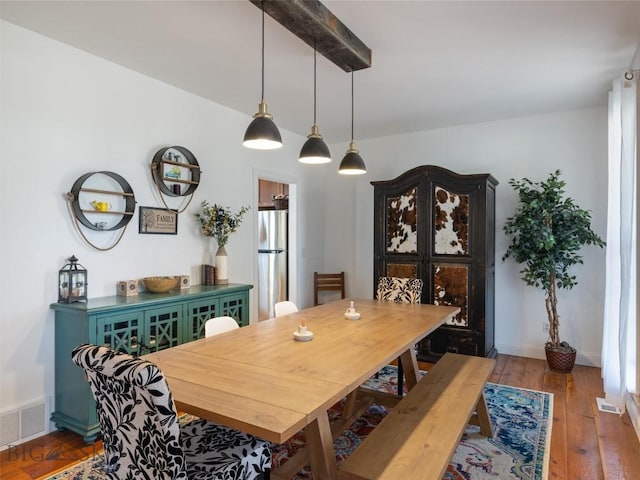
327	282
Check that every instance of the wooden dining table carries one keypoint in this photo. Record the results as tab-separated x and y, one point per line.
260	380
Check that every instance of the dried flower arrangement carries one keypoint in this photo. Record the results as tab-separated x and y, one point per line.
219	222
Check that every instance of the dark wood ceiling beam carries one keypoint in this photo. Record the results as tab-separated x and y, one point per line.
311	21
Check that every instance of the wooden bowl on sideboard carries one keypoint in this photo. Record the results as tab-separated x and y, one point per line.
160	284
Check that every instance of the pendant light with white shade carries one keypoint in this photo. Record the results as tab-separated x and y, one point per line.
262	133
352	163
314	150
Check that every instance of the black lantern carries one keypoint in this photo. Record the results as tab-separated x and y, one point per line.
72	282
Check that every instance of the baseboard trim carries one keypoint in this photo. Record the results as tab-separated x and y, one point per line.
588	359
633	408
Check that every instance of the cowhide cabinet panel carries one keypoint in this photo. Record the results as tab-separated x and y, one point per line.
437	225
402	231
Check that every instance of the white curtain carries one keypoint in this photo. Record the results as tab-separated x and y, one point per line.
618	349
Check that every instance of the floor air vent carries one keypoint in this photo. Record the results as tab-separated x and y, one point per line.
605	406
23	424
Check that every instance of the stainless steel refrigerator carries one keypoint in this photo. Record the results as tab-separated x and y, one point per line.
272	260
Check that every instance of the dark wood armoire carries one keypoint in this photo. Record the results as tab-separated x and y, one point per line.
437	225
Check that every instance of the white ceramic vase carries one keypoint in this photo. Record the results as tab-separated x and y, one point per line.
222	271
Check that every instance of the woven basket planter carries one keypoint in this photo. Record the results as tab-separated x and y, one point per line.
560	362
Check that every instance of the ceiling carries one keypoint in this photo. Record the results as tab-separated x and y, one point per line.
434	64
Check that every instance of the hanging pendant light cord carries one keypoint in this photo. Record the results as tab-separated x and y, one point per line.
314	81
351	106
262	93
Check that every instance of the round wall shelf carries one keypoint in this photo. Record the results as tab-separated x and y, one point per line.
175	171
81	206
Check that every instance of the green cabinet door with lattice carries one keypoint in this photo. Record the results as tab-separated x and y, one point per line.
198	312
120	332
162	328
234	304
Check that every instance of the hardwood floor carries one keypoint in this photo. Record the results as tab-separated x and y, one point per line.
586	444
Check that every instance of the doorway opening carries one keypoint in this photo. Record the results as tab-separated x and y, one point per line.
271	193
275	241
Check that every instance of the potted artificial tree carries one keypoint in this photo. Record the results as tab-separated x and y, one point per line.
546	233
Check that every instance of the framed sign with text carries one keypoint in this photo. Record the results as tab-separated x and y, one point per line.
158	220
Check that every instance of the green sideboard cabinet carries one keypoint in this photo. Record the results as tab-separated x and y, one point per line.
136	325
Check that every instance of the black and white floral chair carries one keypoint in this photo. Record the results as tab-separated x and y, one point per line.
399	290
140	430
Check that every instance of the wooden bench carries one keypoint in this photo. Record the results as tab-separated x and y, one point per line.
418	437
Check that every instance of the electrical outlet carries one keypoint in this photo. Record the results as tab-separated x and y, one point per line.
545	327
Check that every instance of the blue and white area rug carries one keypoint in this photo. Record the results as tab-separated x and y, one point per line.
519	449
521	443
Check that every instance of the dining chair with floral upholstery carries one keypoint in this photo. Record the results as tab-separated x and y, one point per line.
142	436
399	290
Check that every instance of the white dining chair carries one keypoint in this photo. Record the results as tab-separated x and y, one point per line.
285	308
217	325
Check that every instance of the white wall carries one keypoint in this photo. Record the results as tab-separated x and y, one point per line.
575	142
66	113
